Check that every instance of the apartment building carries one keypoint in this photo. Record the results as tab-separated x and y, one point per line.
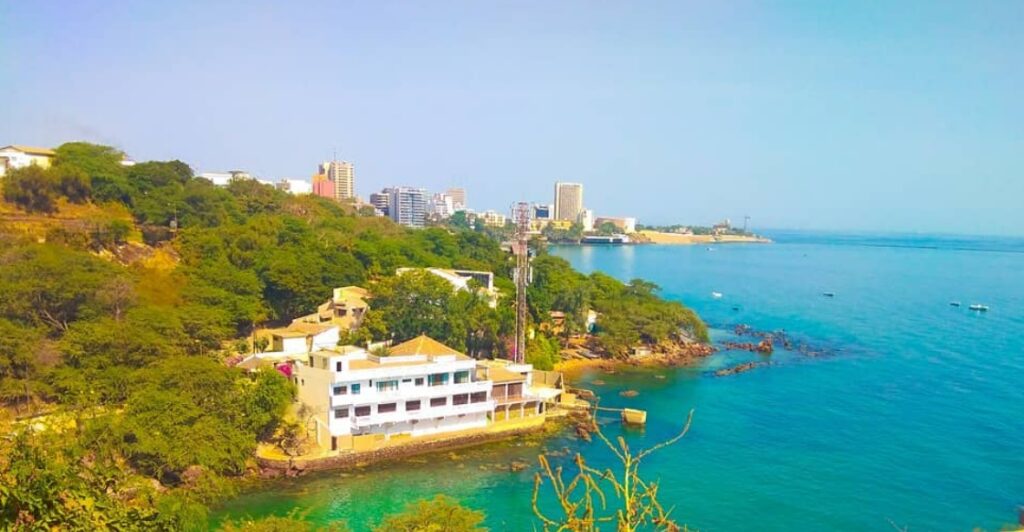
421	387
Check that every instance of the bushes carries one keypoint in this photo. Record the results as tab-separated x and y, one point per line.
32	188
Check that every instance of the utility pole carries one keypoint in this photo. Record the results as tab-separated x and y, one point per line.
520	247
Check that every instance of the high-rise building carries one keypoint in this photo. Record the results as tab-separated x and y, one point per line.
407	206
458	196
542	211
343	175
381	200
568	201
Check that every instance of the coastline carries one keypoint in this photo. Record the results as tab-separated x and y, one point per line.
658	237
687	354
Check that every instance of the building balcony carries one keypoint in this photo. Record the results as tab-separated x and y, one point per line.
408	393
401	416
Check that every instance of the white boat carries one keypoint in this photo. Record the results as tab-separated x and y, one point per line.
716	295
978	307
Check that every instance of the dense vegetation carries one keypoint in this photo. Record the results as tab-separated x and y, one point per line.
114	332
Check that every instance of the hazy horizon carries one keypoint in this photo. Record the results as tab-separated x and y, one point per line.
904	117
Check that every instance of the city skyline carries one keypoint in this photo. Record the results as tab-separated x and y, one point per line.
902	117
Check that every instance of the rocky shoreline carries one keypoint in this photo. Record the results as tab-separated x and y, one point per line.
665	354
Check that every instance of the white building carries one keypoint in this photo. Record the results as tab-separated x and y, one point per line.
407	205
441	205
295	187
586	219
459	279
223	179
422	387
16	156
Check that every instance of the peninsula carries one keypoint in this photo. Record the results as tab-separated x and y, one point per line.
165	334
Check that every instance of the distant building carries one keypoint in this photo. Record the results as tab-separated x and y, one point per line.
458	196
343	176
223	179
381	201
586	219
407	206
493	218
441	206
296	187
17	156
541	211
568	201
625	224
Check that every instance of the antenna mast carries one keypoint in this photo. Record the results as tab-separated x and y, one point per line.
520	247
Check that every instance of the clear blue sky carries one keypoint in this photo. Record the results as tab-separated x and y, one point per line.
902	115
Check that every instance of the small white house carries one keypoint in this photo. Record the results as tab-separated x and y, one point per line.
17	156
300	338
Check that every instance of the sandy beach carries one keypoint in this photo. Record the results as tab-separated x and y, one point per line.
657	237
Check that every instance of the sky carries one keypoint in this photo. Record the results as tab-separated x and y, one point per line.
841	115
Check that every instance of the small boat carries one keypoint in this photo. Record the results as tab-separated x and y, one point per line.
716	295
979	308
954	303
735	308
711	249
631	416
829	294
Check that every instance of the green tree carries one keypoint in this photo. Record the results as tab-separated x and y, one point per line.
73	183
102	164
32	188
440	514
51	286
20	369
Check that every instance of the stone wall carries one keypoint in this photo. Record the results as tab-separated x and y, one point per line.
270	467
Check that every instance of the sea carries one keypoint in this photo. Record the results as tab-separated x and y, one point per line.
892	408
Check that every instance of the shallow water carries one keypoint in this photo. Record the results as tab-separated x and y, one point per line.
911	412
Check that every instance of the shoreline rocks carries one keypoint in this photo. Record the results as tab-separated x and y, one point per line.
724	372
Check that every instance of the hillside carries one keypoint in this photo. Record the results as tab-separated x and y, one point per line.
117	323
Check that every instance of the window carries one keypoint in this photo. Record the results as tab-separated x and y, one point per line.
340	413
387	386
412	405
419	381
478	397
461	377
340	390
362	411
386	408
406	380
460	399
355	389
337	366
439	401
437	379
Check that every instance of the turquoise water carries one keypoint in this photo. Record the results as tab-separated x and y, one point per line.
910	411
